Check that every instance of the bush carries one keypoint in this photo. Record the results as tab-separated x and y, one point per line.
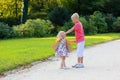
99	22
116	25
58	16
5	31
88	26
109	18
34	28
66	27
23	31
10	21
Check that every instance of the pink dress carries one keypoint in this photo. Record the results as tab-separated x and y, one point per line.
62	48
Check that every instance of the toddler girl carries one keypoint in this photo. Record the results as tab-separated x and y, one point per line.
62	48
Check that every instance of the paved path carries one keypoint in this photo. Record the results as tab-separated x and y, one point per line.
102	62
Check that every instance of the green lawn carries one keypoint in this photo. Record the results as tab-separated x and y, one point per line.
18	52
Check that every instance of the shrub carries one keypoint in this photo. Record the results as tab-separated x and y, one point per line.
5	31
10	21
58	16
88	26
99	22
92	29
34	28
23	31
66	27
109	18
116	25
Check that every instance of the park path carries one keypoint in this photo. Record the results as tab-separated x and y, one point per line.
102	62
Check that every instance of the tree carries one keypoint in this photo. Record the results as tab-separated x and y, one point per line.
116	25
84	7
112	6
24	11
36	5
99	22
110	19
49	5
58	16
10	8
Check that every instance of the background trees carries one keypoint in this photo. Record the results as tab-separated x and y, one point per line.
97	16
112	6
10	8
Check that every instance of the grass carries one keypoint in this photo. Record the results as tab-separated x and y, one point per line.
19	52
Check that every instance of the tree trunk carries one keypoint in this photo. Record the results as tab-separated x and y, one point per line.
24	11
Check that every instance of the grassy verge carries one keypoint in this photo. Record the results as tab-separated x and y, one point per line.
19	52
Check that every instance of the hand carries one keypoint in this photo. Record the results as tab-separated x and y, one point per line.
72	41
65	33
70	30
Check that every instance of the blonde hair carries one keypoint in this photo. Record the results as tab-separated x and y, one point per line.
59	34
75	15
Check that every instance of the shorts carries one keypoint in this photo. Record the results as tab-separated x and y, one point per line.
80	48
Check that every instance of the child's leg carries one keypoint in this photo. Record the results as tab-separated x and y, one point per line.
63	62
80	48
80	60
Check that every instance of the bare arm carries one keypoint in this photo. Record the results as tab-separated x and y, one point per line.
70	30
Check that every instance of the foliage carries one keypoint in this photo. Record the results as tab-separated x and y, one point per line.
5	31
58	16
33	28
109	18
66	27
88	26
58	11
10	20
116	25
40	8
10	8
84	7
112	6
41	15
99	22
49	5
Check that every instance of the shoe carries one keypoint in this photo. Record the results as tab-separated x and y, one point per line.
65	68
78	66
75	65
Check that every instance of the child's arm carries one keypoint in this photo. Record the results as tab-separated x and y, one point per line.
70	30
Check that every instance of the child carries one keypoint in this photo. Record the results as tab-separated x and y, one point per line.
80	40
62	48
